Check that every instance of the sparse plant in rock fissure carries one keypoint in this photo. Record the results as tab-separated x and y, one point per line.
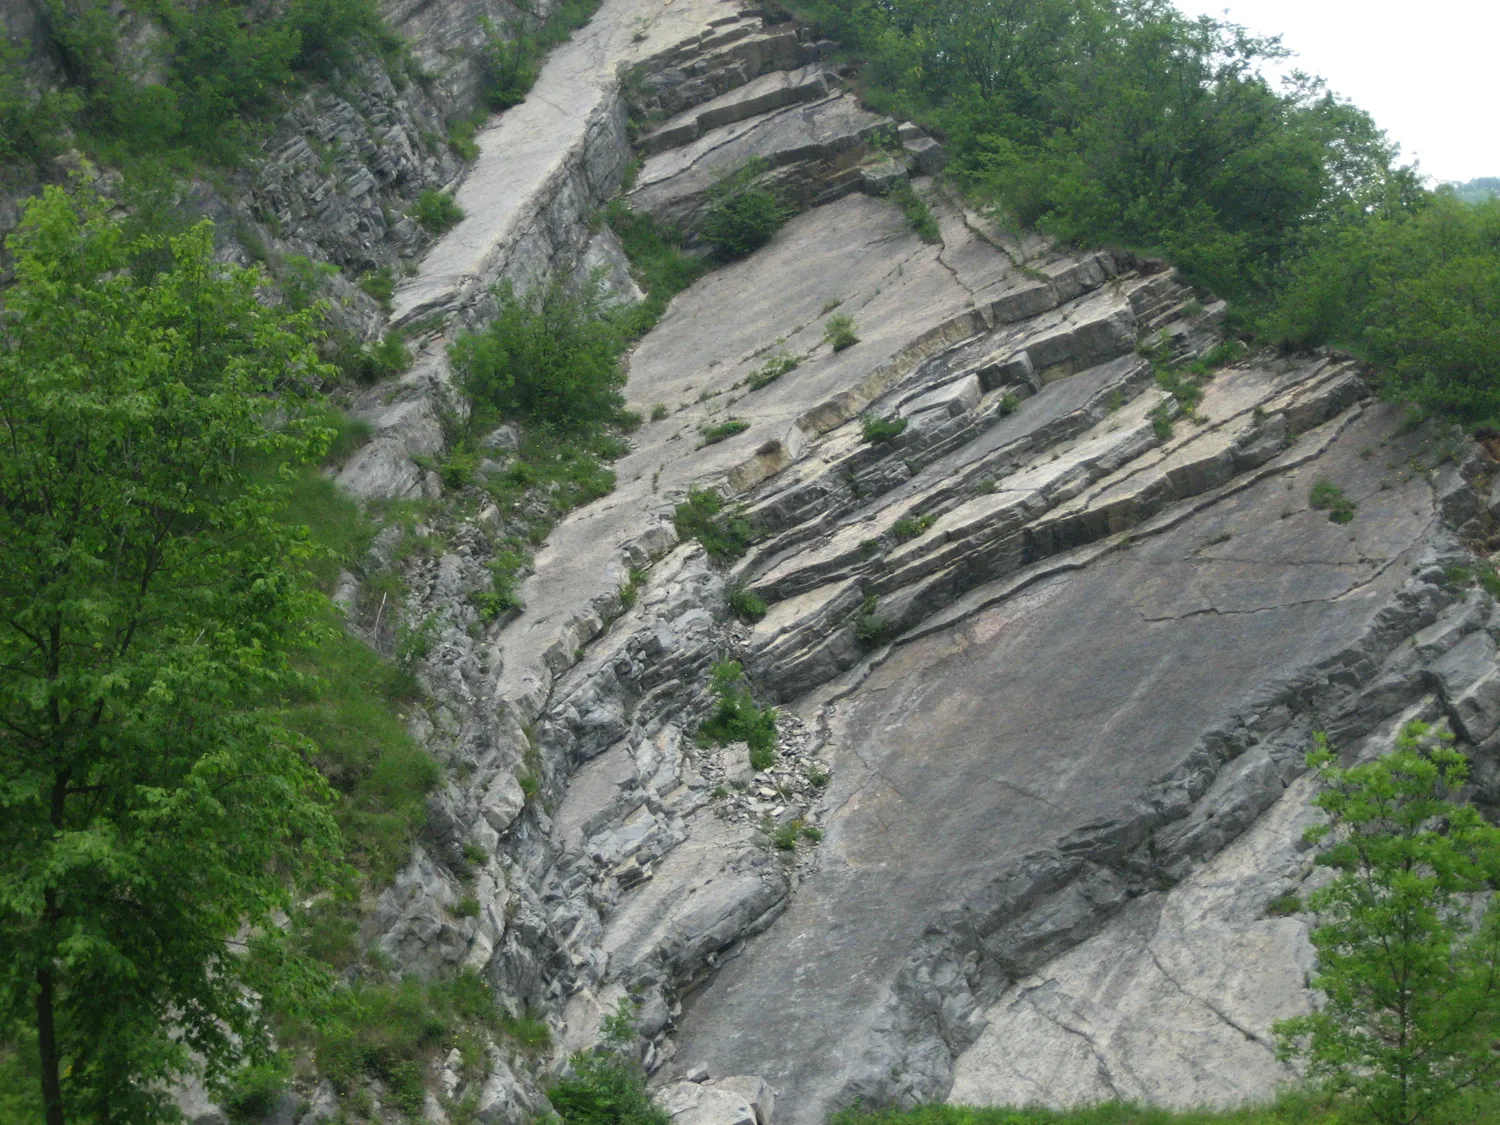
839	332
436	212
724	535
1325	496
882	431
736	718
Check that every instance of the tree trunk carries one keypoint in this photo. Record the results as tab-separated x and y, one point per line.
47	1043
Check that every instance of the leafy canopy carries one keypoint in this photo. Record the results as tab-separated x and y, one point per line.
153	803
1409	940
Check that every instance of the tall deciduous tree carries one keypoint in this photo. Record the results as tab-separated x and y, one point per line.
155	812
1409	939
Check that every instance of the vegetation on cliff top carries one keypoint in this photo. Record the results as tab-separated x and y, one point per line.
1125	123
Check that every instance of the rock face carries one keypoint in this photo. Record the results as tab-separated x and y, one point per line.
1049	652
1050	656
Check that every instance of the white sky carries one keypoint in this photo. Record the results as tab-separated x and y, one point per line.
1428	72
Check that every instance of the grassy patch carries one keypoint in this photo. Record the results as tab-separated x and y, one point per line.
779	364
1325	496
512	56
657	262
839	332
745	605
744	213
436	212
870	627
911	527
702	517
917	213
736	718
883	431
712	435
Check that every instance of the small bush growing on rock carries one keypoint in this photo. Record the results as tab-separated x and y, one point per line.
839	332
466	907
725	537
659	411
551	356
436	212
774	368
380	286
252	1093
870	627
882	431
917	213
736	718
1161	422
744	214
745	605
1326	496
712	435
785	836
911	527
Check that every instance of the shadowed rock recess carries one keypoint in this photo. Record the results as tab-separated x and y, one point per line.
1048	659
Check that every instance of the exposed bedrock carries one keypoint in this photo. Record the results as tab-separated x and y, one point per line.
1049	657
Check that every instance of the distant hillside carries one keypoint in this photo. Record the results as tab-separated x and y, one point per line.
1477	191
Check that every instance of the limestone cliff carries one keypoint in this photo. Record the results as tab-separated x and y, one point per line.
1049	657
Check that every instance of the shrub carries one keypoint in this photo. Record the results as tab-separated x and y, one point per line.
436	212
736	718
252	1094
380	286
466	907
1161	421
743	214
911	527
712	435
870	627
551	357
785	836
701	517
604	1089
1328	497
657	262
774	368
883	431
745	605
839	332
659	412
917	213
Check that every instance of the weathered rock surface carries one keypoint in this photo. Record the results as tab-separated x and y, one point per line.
1050	656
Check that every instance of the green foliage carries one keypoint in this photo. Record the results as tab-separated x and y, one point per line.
1290	1109
745	605
604	1089
1407	962
657	263
702	517
512	57
659	412
252	1093
152	606
393	1032
550	357
743	213
1415	290
436	212
882	431
1161	421
226	69
31	120
714	434
380	285
872	629
917	213
736	718
1326	496
1123	123
911	527
1284	906
785	836
779	364
839	332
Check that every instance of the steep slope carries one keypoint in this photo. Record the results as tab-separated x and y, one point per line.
1050	658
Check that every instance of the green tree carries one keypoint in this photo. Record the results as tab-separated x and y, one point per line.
1409	938
155	811
551	356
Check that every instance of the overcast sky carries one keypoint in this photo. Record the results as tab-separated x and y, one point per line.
1428	72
